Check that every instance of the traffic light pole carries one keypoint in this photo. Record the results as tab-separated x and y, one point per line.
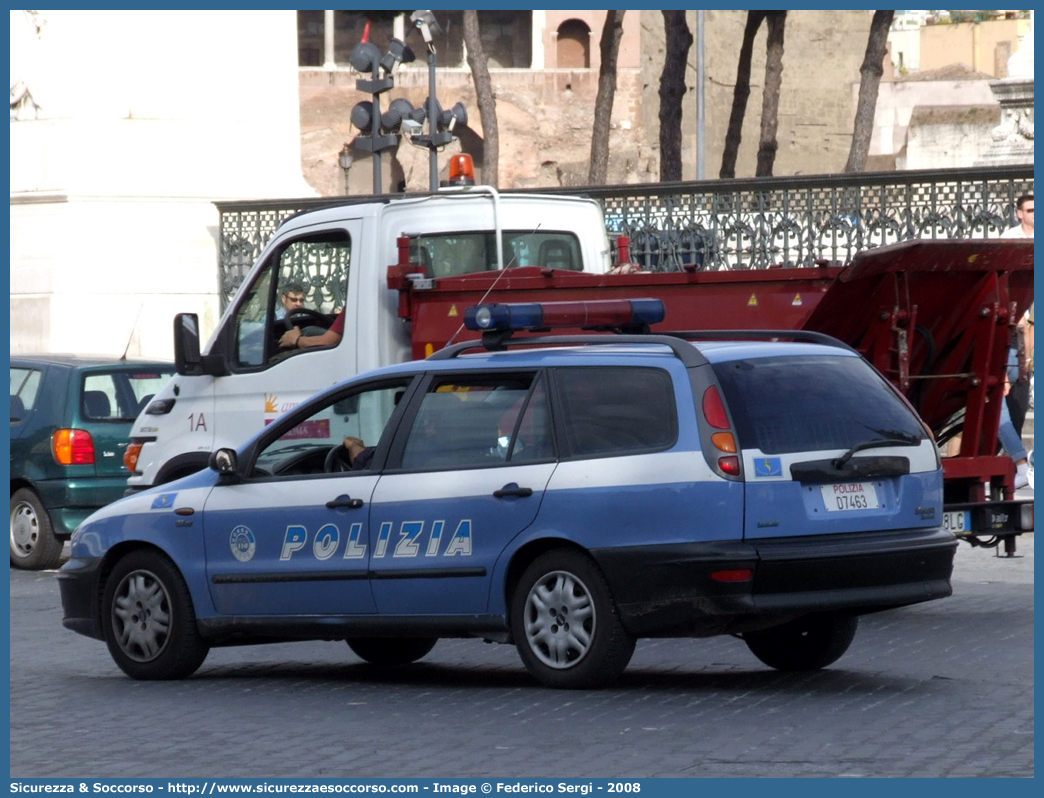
433	115
376	142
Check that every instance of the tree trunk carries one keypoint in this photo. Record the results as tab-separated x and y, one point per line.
740	94
672	93
487	101
870	81
768	145
609	48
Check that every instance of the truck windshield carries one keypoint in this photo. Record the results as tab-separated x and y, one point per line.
450	254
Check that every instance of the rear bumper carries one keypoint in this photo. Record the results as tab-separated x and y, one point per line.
69	502
670	591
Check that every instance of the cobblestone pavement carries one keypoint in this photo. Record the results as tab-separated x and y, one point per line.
942	689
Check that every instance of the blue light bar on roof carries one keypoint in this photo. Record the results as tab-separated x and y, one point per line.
549	315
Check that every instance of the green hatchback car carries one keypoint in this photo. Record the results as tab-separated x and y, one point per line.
71	417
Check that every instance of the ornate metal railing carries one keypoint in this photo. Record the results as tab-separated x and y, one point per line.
735	224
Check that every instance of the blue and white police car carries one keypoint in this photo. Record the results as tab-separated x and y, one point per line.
565	493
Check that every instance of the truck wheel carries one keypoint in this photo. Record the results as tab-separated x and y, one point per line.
565	624
34	546
391	650
148	620
804	644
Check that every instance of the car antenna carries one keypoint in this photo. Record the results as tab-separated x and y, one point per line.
491	287
133	330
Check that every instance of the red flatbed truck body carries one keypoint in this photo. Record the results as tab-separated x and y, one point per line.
936	317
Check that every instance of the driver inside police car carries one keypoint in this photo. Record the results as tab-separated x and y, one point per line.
359	454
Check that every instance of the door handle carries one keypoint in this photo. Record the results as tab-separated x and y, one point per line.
344	500
512	489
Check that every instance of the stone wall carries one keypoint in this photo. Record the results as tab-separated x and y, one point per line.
545	117
897	100
947	137
823	51
544	120
982	46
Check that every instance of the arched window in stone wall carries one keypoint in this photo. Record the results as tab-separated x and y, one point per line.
574	45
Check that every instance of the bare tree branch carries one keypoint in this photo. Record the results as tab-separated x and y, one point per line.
487	100
609	47
768	145
672	93
869	83
740	95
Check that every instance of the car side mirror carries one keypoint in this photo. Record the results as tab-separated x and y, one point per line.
224	461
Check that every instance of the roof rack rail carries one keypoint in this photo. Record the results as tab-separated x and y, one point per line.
685	352
678	341
808	336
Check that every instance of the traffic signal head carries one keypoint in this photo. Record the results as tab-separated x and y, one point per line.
398	52
362	116
364	57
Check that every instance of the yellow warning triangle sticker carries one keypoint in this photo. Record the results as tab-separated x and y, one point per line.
753	301
452	311
797	299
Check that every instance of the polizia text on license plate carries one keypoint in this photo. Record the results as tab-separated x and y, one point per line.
850	496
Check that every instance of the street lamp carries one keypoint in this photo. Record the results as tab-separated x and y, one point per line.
345	159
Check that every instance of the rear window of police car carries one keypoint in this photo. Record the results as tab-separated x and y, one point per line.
616	410
809	403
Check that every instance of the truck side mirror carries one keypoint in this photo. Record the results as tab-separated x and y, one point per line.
349	406
187	360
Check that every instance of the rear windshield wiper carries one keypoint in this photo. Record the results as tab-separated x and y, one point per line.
879	443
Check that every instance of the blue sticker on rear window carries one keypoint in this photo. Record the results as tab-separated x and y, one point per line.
164	501
768	467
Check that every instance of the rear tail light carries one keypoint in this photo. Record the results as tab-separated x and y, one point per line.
733	575
714	409
73	447
730	465
130	456
1025	519
724	442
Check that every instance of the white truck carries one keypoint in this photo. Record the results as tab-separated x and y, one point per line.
339	257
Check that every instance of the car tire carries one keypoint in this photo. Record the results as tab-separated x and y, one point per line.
34	545
148	620
565	624
391	650
805	644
